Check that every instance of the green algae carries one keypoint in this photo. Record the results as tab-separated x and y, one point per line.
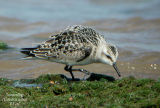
3	45
58	91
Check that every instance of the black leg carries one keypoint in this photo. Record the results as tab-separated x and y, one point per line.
69	69
83	71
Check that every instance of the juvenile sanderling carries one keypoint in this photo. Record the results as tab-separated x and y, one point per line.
76	45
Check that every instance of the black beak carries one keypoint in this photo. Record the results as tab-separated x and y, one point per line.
115	67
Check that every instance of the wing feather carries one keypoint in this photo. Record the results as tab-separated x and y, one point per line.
73	44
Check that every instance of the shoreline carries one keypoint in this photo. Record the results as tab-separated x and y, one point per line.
132	61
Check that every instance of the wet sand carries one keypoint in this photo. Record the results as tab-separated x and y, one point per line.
138	41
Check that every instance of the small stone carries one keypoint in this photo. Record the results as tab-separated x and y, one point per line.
155	68
133	68
70	99
51	82
38	87
155	64
9	80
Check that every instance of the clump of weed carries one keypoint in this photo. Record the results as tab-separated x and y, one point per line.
57	91
3	45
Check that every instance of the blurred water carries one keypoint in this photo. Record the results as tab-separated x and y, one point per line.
133	25
78	11
47	16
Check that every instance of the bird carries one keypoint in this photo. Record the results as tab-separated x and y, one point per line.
75	45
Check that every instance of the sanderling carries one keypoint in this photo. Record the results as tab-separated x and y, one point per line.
75	45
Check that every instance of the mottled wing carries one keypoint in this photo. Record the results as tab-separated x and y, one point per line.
90	35
66	46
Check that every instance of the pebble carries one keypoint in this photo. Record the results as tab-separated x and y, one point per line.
70	99
51	82
133	68
155	68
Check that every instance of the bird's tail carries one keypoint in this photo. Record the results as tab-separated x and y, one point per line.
28	52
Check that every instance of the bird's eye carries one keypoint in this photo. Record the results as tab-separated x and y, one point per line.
108	57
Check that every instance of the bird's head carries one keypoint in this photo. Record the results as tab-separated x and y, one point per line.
109	56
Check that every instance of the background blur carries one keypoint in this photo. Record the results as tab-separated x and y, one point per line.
133	25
